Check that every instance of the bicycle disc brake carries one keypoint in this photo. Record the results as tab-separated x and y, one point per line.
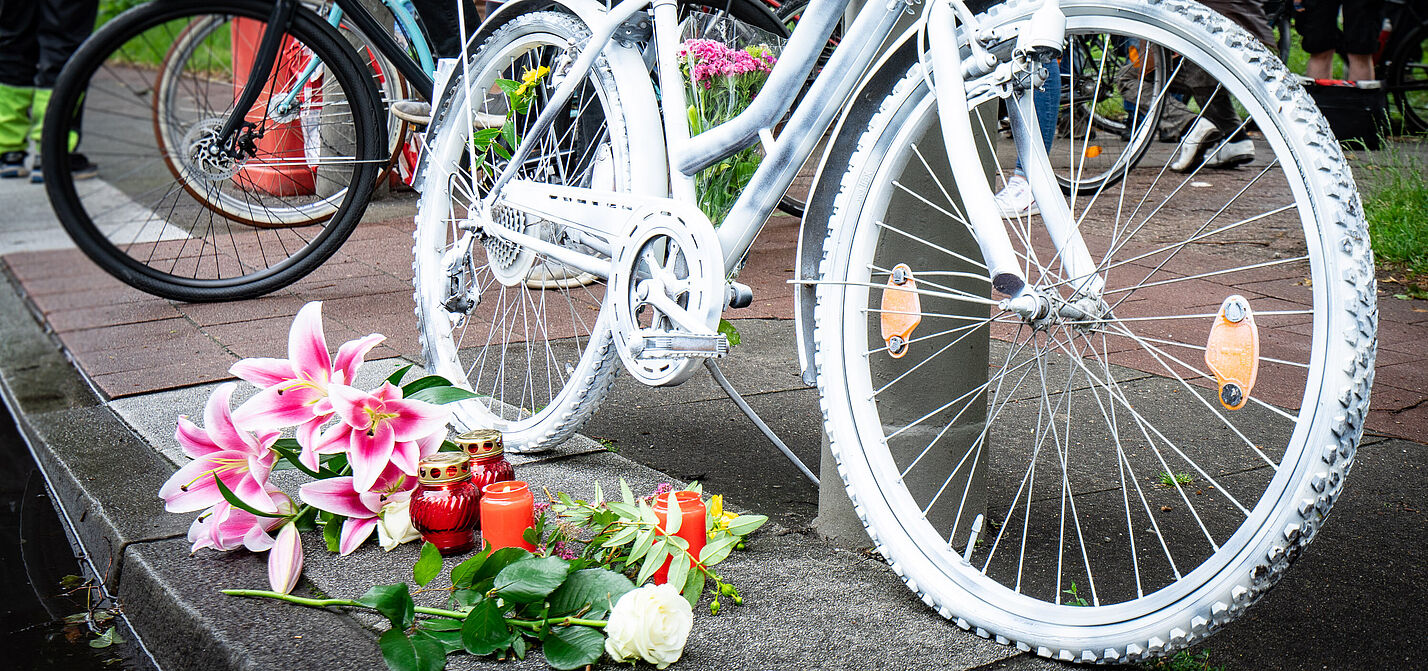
666	295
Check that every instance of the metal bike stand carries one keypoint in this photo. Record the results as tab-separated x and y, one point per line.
743	405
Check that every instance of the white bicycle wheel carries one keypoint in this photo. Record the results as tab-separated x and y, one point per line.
1125	511
527	333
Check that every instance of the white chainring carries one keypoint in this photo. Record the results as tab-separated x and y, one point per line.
671	250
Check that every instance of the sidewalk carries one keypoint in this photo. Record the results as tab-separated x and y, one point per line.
95	373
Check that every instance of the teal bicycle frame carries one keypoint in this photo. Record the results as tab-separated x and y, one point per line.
406	22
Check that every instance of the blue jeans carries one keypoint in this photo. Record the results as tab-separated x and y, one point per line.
1047	101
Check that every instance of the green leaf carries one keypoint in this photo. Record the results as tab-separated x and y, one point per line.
625	494
463	574
449	639
395	379
693	587
393	601
625	535
518	646
625	510
530	536
484	630
501	151
647	514
695	487
641	546
498	560
427	382
440	395
572	647
595	588
744	525
656	556
238	503
485	136
678	568
440	624
599	493
307	521
419	653
428	566
508	132
108	638
531	579
508	86
717	550
732	334
672	518
465	597
332	532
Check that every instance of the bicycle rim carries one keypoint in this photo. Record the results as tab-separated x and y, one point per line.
1123	511
526	332
140	218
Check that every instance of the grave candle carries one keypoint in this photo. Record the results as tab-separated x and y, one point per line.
691	525
443	507
507	510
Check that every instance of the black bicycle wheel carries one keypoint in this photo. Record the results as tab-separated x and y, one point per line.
1407	78
147	216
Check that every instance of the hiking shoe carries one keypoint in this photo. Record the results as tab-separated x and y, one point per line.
1201	138
1015	199
12	165
79	169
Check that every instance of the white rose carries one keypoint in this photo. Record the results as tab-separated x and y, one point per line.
394	525
652	622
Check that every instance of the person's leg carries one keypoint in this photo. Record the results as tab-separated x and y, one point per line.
18	52
1015	197
1218	119
63	26
1360	37
1318	26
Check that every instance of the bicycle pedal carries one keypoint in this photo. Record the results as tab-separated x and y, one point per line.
684	346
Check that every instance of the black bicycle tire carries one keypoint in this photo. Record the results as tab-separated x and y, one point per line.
1413	122
59	182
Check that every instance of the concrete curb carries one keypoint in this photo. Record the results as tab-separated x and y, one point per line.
807	605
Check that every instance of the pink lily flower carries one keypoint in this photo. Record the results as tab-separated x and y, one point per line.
223	451
294	390
285	560
361	507
381	428
224	527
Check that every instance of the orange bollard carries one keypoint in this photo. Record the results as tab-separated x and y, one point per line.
280	167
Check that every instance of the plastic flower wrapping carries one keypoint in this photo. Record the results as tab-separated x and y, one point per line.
725	63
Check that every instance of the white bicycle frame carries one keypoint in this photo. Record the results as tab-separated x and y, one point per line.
784	155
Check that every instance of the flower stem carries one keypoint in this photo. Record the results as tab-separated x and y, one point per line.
328	603
555	622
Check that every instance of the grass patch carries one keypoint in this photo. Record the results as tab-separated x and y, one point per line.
1168	479
1183	661
1395	198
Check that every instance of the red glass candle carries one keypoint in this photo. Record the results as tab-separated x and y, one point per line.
691	525
445	504
488	457
507	510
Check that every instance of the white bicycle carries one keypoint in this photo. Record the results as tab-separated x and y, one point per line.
1099	433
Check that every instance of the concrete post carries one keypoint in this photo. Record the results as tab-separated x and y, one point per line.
951	374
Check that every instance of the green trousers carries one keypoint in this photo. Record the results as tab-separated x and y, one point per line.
22	116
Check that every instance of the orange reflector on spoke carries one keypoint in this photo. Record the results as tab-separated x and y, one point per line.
901	310
1232	352
1093	151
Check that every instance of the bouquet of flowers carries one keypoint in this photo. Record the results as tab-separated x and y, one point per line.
724	68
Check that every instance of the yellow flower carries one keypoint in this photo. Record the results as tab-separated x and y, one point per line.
718	518
530	78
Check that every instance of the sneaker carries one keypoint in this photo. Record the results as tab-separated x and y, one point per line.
1202	137
12	165
415	112
1232	154
79	169
1015	199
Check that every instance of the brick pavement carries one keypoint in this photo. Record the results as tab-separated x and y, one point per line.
130	343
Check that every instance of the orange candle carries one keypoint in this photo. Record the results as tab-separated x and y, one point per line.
691	525
507	510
